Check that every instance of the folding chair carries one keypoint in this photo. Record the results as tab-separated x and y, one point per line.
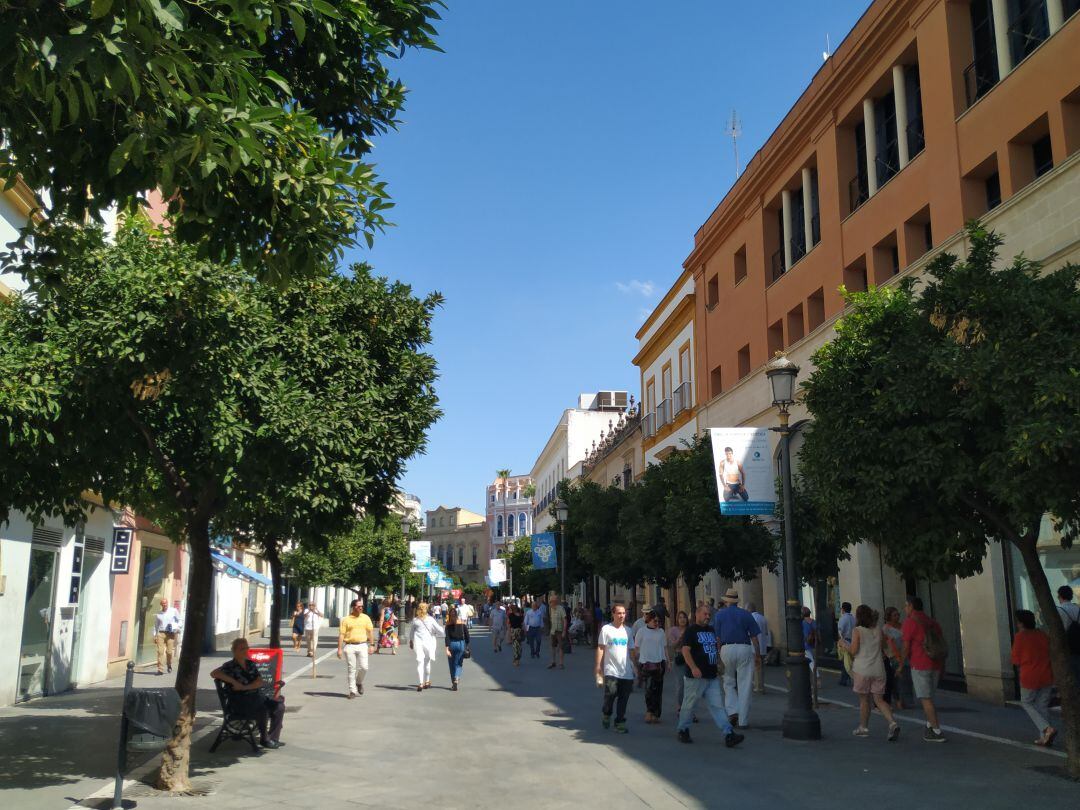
239	718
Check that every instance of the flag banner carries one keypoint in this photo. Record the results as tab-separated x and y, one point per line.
543	551
432	576
497	570
745	480
420	550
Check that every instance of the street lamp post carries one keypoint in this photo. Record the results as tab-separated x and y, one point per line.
561	513
800	720
510	551
406	527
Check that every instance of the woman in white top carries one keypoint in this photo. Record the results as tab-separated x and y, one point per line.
868	670
650	652
423	632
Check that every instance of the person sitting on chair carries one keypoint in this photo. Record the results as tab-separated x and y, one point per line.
240	674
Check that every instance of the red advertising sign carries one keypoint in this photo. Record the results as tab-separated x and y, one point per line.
269	660
444	594
456	593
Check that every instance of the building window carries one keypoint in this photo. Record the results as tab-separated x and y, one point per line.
493	497
499	526
859	189
888	149
510	525
916	139
744	361
523	528
712	292
1029	27
716	382
1042	156
982	73
461	555
993	191
740	264
474	553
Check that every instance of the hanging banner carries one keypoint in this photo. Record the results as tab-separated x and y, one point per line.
543	551
497	571
432	576
745	479
420	550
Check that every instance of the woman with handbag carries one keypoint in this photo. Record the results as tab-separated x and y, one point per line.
650	651
457	645
423	632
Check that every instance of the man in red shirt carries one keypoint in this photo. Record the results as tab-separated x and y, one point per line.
925	671
1031	653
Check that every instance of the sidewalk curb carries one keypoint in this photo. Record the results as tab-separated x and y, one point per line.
137	774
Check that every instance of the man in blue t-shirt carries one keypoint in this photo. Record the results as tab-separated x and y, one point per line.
737	633
699	650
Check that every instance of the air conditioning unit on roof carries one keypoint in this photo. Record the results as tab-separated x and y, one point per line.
611	401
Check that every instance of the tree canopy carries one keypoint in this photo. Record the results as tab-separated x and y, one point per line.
947	420
370	554
251	118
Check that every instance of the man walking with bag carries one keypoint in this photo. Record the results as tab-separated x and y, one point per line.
925	652
356	634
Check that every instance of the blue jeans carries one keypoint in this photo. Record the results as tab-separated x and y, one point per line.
709	689
456	657
533	635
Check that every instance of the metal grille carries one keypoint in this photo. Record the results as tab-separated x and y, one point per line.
47	536
95	545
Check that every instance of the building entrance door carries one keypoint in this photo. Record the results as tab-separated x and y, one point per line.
151	589
36	649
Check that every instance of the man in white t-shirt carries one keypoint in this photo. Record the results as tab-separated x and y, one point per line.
312	620
615	668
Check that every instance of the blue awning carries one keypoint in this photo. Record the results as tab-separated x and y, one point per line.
239	569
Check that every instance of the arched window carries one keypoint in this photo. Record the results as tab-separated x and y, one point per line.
439	554
498	526
460	555
475	551
523	529
510	525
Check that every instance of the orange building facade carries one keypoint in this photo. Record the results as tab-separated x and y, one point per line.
929	114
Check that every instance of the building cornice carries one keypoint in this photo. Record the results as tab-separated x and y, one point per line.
682	315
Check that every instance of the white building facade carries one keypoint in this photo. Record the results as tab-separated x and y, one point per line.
509	510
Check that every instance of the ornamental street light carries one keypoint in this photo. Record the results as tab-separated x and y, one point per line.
561	514
510	564
800	721
406	529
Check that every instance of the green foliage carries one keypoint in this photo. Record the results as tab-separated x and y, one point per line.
370	554
251	118
945	419
528	579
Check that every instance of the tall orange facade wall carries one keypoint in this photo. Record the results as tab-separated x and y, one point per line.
745	309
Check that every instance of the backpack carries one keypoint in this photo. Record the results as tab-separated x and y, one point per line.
1072	631
933	642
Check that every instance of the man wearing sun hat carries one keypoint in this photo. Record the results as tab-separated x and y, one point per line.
737	634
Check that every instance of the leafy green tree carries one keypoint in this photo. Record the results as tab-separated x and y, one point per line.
526	578
947	420
371	554
251	118
592	528
183	387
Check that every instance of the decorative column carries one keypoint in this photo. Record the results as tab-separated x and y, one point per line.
900	95
1055	14
785	197
1001	37
807	210
870	129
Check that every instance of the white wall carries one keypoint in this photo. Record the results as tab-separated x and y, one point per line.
229	604
11	221
95	605
14	567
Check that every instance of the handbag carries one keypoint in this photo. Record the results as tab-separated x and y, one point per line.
468	653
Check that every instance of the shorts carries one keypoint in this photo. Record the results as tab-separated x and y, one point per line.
867	685
925	682
556	639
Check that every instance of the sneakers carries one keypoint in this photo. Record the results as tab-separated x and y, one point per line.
933	736
733	738
894	732
861	732
620	728
684	736
605	720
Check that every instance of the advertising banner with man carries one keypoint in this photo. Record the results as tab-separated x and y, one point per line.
745	479
421	555
497	570
543	551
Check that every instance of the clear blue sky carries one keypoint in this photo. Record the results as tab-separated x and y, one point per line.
549	173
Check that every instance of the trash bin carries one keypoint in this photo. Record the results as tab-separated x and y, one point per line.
151	715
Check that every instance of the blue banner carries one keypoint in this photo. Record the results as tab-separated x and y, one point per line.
543	551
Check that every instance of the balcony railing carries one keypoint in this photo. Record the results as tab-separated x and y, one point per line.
681	398
916	139
776	266
798	243
648	425
663	413
858	192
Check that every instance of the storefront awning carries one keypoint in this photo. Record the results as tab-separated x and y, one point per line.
239	569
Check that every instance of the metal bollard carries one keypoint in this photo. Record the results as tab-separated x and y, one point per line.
121	754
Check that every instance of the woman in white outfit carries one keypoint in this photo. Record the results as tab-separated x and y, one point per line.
424	631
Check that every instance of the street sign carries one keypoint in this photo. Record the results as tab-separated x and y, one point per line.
121	550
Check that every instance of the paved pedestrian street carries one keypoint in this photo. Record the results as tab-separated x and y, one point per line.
511	736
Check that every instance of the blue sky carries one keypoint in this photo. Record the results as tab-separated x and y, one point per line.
549	173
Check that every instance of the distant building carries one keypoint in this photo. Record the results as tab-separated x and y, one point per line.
459	540
509	510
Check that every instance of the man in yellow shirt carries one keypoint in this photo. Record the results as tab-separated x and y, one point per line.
356	635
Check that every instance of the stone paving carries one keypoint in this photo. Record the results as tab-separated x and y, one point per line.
532	734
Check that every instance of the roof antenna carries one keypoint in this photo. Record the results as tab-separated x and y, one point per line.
828	50
735	130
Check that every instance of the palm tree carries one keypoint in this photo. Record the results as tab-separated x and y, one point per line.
504	475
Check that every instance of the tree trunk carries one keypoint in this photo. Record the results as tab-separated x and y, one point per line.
1067	687
270	551
691	592
176	759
